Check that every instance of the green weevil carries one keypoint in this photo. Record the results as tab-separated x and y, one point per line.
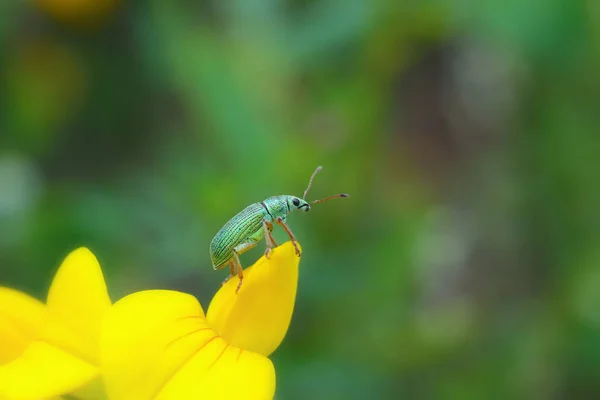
242	232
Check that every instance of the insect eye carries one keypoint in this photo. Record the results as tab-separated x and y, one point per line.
296	202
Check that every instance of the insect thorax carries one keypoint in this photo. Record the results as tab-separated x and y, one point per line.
279	206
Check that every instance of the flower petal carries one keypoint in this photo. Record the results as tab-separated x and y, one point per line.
21	317
78	298
93	390
157	345
59	354
43	371
258	317
223	372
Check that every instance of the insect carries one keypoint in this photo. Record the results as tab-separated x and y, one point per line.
242	232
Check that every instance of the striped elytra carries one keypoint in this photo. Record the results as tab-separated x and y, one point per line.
237	230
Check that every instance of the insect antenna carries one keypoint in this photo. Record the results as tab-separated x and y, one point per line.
311	180
335	196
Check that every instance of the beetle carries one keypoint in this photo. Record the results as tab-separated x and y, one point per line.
242	232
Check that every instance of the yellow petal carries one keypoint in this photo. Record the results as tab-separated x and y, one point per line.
223	372
157	345
93	390
78	299
81	12
64	356
257	318
43	371
21	317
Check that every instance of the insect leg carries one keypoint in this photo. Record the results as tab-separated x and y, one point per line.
239	249
281	222
244	247
240	274
268	227
231	272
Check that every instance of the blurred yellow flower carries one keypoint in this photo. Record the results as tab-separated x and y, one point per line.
51	349
160	345
78	12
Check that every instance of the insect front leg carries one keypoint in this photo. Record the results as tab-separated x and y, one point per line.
281	222
267	228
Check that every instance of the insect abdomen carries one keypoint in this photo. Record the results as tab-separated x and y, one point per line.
236	231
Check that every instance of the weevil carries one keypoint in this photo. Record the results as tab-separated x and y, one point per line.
242	232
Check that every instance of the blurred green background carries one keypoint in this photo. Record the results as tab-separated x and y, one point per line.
466	264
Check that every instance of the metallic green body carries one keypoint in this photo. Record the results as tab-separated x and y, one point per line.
246	228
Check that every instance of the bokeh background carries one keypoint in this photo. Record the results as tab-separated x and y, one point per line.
466	264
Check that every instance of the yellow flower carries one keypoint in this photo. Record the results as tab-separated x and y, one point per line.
51	349
78	12
160	345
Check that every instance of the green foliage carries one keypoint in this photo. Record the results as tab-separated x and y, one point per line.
466	263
